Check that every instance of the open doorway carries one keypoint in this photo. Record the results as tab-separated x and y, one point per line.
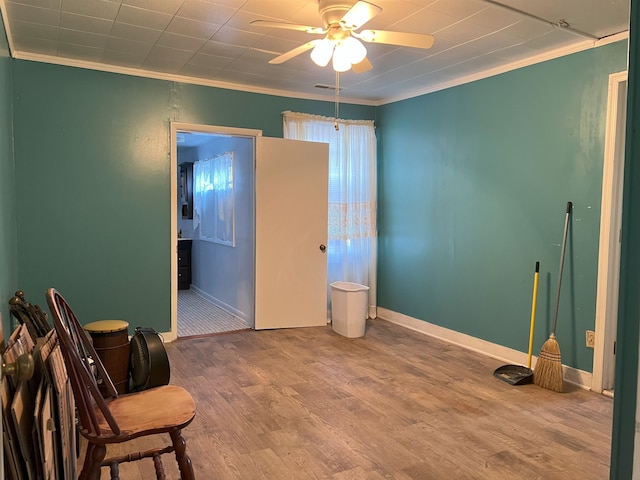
606	324
213	218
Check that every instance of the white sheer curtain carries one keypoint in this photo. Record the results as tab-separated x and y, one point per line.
352	247
213	202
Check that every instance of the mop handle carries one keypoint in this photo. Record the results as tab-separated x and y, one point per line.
533	313
564	244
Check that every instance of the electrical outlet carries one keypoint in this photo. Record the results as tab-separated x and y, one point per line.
591	338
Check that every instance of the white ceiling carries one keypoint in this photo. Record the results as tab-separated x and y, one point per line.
212	41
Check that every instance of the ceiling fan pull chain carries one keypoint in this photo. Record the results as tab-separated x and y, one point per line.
335	125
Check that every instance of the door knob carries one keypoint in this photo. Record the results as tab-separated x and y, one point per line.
322	247
22	368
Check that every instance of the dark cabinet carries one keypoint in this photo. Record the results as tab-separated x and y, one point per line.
186	189
184	264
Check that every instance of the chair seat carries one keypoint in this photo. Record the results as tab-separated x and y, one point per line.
157	410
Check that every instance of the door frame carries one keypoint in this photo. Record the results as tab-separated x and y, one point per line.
176	127
606	321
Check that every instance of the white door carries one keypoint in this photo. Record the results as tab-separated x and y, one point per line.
291	233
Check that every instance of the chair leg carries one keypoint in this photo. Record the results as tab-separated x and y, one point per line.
92	461
157	463
115	471
184	462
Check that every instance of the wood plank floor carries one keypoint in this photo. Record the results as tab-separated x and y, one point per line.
310	404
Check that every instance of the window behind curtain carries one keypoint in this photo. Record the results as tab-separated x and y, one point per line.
213	199
352	231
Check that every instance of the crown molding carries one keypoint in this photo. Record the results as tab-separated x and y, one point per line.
551	55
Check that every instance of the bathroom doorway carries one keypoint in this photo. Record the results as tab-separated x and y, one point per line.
213	217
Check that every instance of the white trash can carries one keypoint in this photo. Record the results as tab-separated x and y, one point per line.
349	308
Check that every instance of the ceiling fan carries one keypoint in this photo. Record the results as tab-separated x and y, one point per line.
341	41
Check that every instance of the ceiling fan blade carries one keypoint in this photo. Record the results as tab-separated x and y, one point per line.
403	39
359	14
363	66
293	53
288	26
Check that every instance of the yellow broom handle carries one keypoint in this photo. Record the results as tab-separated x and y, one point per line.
533	313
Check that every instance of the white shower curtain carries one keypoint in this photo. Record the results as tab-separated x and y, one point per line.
352	231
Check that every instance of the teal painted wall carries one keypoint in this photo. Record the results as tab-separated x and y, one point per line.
8	234
473	186
93	181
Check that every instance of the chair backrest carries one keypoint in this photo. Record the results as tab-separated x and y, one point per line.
82	361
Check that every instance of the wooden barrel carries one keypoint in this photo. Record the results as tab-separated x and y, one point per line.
111	341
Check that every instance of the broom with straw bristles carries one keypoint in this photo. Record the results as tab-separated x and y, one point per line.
548	372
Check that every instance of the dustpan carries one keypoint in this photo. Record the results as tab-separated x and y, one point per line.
518	374
514	374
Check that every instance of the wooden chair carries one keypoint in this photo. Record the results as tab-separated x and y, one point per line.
120	418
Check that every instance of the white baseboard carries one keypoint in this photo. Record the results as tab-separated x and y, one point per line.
221	304
508	355
169	337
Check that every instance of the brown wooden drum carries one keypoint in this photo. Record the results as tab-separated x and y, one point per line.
111	341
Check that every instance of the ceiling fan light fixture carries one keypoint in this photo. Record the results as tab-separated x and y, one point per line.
321	53
341	20
341	58
356	51
341	61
